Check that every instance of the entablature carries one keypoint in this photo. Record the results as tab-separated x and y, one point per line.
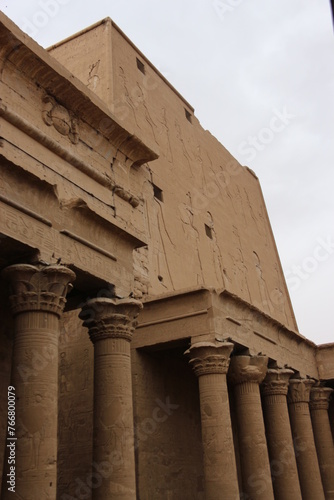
207	315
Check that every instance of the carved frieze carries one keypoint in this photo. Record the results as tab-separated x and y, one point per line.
63	120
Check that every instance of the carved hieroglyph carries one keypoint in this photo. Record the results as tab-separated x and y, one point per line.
246	373
302	433
278	432
210	363
37	298
111	323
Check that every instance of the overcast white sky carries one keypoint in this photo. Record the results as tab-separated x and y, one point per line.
240	63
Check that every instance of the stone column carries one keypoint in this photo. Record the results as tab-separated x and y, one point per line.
210	363
246	373
302	433
279	438
319	404
111	323
331	415
37	301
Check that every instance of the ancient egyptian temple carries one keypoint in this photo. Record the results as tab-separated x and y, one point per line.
148	346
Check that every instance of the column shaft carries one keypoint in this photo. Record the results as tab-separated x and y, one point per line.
113	415
38	298
210	363
323	437
331	415
111	324
246	373
302	433
279	438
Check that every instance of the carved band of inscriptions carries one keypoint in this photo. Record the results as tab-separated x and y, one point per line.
251	369
62	120
110	318
49	241
25	210
319	398
38	289
276	382
299	390
207	358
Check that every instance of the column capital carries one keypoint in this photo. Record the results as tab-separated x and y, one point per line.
251	369
299	390
110	318
207	357
319	398
35	288
276	382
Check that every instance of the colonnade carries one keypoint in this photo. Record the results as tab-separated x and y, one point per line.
284	439
38	297
282	431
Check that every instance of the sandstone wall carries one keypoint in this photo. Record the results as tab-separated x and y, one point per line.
75	411
167	426
166	414
206	219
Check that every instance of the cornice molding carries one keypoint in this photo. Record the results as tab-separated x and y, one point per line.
35	62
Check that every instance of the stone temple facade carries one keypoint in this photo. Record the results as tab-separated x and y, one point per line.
148	345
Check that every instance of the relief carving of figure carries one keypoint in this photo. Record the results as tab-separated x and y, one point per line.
64	369
165	132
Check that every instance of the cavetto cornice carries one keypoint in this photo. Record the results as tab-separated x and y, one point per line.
34	62
272	322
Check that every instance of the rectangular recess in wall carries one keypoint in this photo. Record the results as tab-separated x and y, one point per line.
208	231
157	193
188	115
140	65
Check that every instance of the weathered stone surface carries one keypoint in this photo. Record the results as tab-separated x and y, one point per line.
283	465
319	403
37	299
246	373
105	172
111	324
210	363
198	178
